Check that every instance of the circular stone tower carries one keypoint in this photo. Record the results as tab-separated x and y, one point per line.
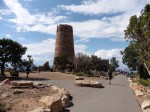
64	42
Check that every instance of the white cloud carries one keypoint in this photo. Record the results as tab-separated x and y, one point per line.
22	39
108	54
81	48
26	21
5	12
111	27
7	36
97	29
105	6
41	51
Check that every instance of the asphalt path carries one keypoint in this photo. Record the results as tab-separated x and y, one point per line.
117	97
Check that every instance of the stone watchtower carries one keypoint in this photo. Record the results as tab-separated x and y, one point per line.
64	42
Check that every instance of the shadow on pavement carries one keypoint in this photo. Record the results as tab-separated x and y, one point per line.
23	78
66	110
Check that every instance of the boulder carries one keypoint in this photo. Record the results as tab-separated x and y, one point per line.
102	77
35	83
106	78
40	109
134	86
22	83
95	84
63	91
139	93
6	81
87	83
78	83
148	91
65	101
145	105
79	78
52	102
147	110
55	88
130	80
17	91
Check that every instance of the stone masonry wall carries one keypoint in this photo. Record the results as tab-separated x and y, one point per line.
64	41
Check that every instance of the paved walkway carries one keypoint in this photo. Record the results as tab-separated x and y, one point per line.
117	97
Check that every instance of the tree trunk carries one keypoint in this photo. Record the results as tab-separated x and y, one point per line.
2	69
147	68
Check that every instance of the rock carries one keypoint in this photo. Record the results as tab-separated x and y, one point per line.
41	109
39	84
78	83
17	91
55	88
65	101
106	78
133	86
87	83
22	83
102	77
64	92
147	110
79	78
145	105
148	91
96	84
6	81
52	102
5	95
139	93
130	80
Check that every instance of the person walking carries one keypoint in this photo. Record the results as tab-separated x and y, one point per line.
109	76
27	71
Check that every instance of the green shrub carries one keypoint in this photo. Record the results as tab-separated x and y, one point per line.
81	74
144	82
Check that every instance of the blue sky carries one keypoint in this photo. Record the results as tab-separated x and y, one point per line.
98	25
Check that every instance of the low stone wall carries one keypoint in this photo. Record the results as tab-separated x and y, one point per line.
142	94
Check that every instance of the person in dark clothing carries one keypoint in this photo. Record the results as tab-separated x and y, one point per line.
27	71
110	76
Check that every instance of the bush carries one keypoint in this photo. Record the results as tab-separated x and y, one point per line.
144	82
81	74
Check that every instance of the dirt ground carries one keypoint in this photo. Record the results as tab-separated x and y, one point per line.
51	76
25	100
28	99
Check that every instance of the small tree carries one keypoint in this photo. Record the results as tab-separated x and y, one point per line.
46	66
27	64
114	64
10	52
60	63
83	62
130	56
